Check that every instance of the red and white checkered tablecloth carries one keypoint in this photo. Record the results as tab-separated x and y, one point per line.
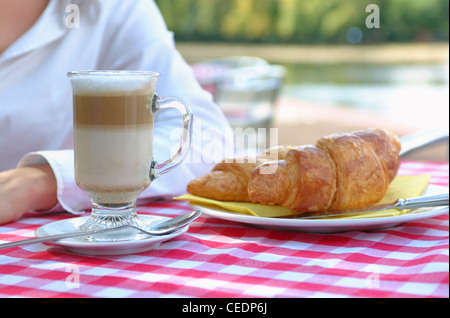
219	258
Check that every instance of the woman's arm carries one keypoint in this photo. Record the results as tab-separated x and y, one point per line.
25	189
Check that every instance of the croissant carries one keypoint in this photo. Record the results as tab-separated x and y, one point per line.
228	180
340	171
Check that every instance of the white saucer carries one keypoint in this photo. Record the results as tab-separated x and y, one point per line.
79	246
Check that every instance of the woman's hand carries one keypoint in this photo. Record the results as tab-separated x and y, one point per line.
25	189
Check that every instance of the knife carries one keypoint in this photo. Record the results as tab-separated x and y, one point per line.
422	139
401	205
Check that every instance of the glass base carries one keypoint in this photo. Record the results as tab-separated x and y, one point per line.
102	218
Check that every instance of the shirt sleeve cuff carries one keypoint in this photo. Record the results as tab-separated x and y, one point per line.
70	197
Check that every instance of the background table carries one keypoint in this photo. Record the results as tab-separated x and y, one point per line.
219	258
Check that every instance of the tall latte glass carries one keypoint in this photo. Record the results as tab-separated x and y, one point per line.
113	114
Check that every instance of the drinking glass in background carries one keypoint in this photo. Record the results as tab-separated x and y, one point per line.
246	89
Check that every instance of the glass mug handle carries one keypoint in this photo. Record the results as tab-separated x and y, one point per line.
161	103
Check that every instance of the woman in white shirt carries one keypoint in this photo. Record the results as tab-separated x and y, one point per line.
40	41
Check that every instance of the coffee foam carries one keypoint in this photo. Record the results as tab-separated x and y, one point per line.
113	84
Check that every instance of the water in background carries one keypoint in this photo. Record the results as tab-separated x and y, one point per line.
415	94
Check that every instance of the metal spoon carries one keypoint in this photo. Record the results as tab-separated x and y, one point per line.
162	228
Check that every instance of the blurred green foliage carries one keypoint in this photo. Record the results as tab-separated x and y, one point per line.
305	21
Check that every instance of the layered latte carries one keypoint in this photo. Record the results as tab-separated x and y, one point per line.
113	135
